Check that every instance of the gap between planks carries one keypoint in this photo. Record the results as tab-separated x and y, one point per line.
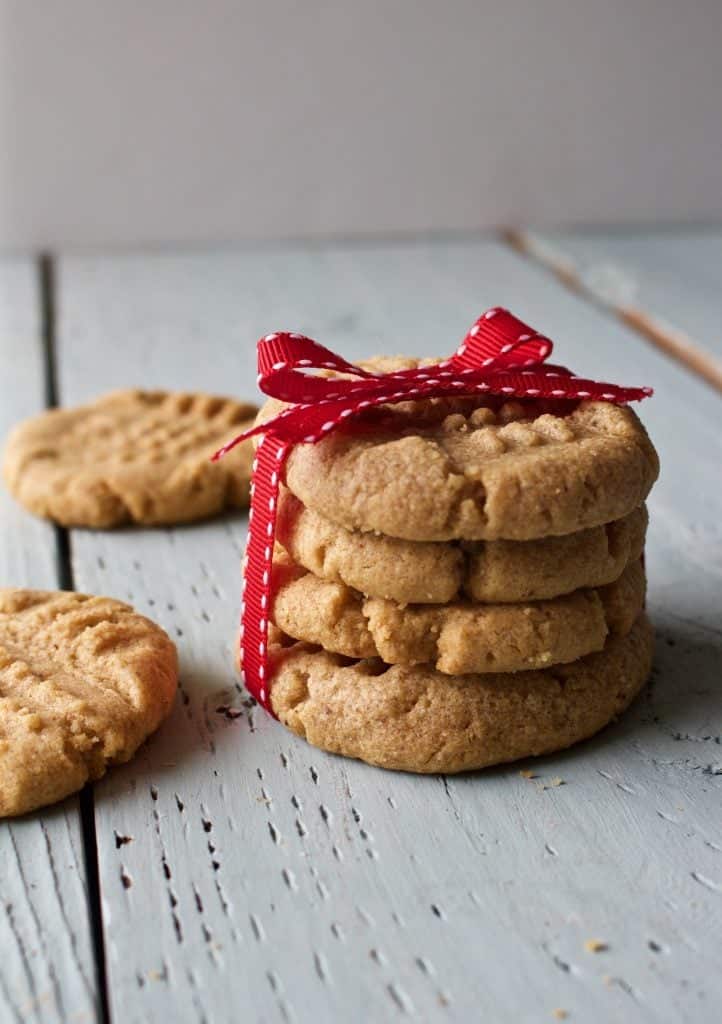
47	289
673	342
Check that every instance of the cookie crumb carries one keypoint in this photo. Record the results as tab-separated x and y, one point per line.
526	773
560	1014
596	946
552	783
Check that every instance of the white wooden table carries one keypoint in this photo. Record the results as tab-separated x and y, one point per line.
232	873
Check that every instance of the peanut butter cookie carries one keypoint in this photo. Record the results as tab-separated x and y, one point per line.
417	720
83	681
424	572
131	457
455	638
463	470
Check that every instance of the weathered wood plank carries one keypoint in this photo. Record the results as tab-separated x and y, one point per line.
666	284
46	968
245	872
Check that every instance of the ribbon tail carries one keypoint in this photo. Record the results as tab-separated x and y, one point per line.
245	436
255	606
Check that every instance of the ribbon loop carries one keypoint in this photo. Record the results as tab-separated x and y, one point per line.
498	339
500	356
283	362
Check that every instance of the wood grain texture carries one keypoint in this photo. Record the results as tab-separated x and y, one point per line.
47	972
665	285
245	873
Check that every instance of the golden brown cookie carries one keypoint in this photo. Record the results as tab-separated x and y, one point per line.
456	638
83	681
131	457
418	720
516	473
419	572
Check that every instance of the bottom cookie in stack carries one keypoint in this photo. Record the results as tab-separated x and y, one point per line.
417	719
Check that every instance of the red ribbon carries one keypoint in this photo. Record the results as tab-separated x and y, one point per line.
499	356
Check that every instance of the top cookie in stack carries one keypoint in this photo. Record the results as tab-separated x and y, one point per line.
480	563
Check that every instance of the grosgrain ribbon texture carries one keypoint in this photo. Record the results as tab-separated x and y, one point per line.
500	356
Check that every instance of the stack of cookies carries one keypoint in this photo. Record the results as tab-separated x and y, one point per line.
460	584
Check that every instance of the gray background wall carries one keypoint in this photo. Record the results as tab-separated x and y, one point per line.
167	120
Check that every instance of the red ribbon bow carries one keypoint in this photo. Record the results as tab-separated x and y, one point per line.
499	356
